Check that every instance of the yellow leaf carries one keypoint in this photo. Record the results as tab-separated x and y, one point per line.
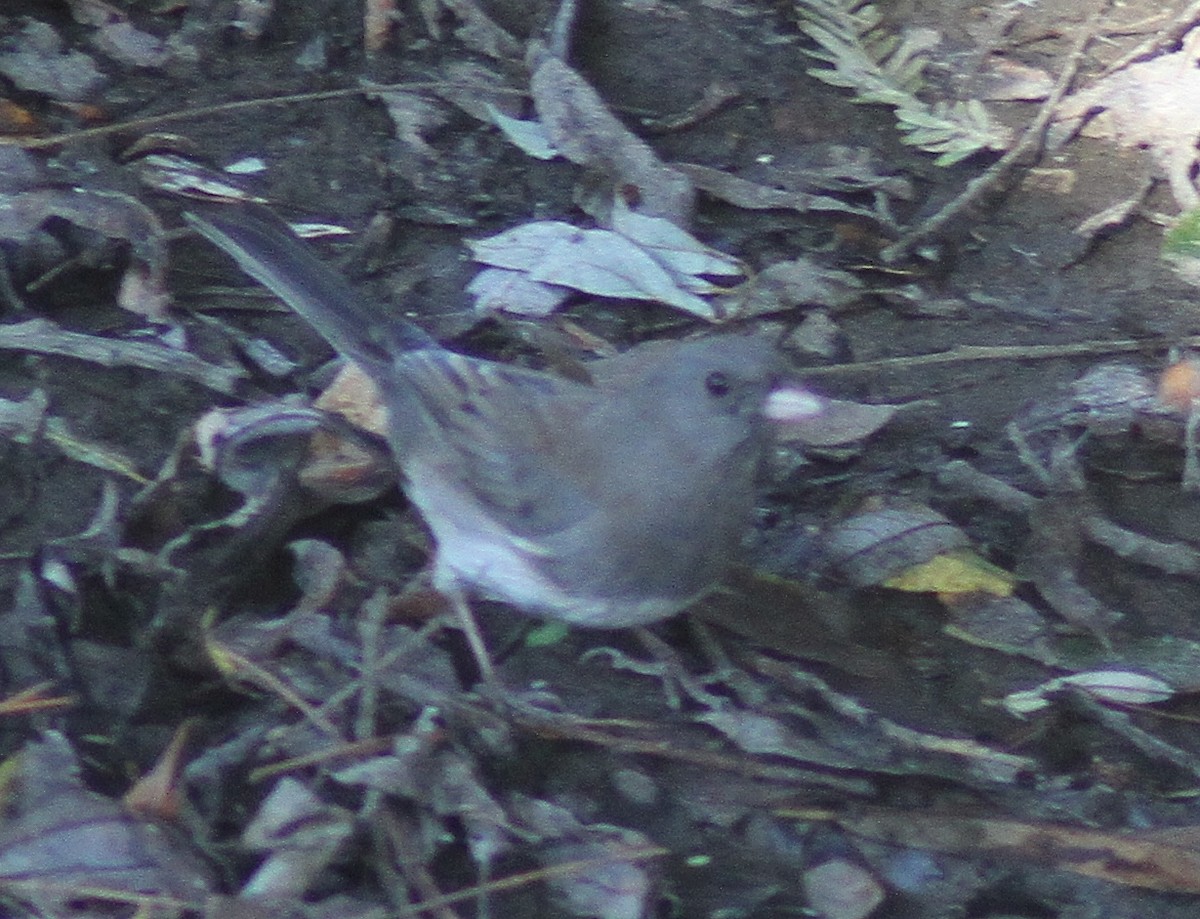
957	572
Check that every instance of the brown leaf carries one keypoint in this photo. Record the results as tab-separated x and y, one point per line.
156	794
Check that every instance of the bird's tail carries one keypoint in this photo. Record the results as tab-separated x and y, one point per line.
266	249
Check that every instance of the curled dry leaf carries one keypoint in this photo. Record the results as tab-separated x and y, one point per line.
1123	687
179	175
751	195
344	469
157	793
1149	104
247	448
251	450
355	397
1179	384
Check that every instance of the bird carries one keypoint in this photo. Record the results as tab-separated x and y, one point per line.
608	503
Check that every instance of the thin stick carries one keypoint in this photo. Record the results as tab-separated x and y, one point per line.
965	353
994	173
470	629
1172	33
153	121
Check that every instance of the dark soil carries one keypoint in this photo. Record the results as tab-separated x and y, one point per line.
180	603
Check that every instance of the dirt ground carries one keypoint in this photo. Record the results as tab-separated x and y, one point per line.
857	750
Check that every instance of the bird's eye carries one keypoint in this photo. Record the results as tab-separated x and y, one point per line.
717	383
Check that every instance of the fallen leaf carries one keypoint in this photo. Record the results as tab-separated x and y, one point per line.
1165	859
1153	104
840	889
873	546
580	126
957	572
838	423
601	262
1113	687
501	290
34	59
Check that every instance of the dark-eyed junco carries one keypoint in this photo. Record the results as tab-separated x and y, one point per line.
613	504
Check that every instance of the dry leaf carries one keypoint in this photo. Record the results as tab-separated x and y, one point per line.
61	842
300	835
114	216
501	290
581	127
355	397
837	423
1153	104
1165	859
957	572
801	281
609	264
840	889
875	545
34	59
1114	687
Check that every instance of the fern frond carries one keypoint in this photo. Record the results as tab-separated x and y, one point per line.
856	52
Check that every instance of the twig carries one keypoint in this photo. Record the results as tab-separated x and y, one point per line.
570	727
999	169
525	878
41	336
153	121
1164	38
965	353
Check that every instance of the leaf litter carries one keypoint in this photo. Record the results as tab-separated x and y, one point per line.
338	689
